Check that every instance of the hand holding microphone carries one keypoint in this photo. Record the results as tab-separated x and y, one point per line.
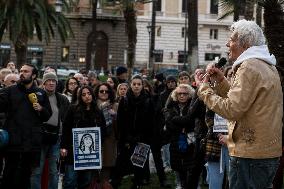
33	99
215	71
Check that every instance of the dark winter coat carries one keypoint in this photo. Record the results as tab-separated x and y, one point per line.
163	136
176	120
62	104
76	118
23	123
135	117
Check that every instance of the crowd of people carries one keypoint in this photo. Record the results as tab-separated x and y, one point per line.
226	119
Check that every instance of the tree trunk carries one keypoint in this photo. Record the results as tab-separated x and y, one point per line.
153	34
249	9
237	7
21	47
273	29
91	46
258	14
131	30
192	34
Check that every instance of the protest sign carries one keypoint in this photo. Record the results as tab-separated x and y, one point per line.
220	124
87	148
140	154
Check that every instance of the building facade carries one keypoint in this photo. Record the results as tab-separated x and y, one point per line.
111	39
170	33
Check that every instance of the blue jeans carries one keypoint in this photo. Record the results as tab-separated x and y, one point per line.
252	173
166	155
50	152
214	175
77	179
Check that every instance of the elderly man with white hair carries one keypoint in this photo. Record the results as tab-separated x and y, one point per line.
11	79
253	105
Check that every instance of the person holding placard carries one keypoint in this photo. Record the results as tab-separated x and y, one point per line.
85	114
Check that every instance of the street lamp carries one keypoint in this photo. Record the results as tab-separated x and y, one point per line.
58	10
149	28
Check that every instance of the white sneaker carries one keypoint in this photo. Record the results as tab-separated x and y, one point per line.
167	169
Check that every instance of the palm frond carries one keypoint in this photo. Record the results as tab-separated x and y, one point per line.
228	13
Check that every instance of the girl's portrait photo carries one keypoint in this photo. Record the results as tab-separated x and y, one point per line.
86	144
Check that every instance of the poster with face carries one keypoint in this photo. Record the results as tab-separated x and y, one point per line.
140	154
87	148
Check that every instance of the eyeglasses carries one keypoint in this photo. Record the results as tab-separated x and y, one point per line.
103	91
72	83
184	94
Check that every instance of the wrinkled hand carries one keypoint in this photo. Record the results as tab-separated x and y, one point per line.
223	139
37	107
215	73
63	152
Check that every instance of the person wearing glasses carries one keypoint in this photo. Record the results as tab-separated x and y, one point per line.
105	99
180	127
71	86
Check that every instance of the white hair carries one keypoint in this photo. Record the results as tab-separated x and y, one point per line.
189	89
11	75
248	32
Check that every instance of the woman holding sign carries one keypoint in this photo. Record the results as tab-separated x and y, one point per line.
134	122
85	114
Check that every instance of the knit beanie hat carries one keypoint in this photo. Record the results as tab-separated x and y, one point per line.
121	70
50	75
171	78
160	77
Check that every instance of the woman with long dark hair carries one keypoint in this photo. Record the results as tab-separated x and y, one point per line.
105	100
135	117
81	115
71	85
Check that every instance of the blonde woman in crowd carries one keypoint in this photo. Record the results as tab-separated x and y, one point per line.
121	91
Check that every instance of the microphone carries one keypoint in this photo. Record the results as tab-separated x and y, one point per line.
33	98
219	64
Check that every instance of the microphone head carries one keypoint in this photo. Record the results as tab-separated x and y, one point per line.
32	98
221	63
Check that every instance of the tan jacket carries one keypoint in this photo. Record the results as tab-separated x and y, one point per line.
254	107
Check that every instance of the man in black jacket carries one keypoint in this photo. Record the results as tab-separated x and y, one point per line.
23	123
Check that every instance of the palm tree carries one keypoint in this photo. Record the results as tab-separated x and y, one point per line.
231	7
249	9
192	10
23	18
129	13
91	46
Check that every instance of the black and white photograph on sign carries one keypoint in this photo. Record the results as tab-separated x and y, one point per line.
87	148
140	155
220	124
